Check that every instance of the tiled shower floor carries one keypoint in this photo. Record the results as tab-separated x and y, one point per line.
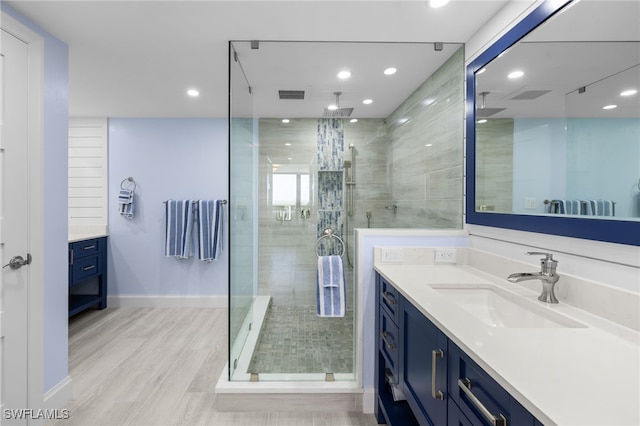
295	340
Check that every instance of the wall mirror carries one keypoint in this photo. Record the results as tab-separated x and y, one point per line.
553	124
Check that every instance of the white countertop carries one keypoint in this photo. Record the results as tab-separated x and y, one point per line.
563	376
85	236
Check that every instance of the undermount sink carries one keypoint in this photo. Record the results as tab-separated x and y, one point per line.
499	308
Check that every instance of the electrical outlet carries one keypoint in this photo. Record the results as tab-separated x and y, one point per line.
530	203
445	255
392	255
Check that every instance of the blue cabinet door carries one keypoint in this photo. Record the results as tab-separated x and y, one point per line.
424	366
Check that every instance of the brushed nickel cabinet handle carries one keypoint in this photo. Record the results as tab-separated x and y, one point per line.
388	297
465	385
385	335
88	268
435	354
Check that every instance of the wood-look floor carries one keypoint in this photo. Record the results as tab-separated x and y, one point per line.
141	366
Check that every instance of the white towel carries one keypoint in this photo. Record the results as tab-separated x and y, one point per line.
126	203
331	287
210	229
178	229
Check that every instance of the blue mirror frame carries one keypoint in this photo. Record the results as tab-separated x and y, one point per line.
614	231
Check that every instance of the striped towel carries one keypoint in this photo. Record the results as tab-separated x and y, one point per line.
331	287
179	224
210	229
126	203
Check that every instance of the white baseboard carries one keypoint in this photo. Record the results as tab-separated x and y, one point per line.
369	400
167	301
59	396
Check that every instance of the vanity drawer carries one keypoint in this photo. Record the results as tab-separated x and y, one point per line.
389	298
481	389
388	342
86	267
84	248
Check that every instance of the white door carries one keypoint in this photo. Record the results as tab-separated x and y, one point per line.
14	211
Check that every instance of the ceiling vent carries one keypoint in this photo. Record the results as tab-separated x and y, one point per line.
530	95
291	94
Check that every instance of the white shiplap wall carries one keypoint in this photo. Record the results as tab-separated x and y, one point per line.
88	177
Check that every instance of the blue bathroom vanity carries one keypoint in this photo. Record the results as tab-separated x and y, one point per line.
87	274
441	361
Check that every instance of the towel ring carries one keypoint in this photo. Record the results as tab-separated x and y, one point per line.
129	179
328	233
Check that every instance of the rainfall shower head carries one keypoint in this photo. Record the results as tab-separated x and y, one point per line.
337	112
347	164
483	111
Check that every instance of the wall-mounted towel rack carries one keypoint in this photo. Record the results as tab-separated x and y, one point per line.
129	179
328	234
194	202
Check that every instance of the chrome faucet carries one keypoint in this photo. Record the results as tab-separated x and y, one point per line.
547	275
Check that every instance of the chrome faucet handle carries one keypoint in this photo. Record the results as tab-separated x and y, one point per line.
548	256
548	264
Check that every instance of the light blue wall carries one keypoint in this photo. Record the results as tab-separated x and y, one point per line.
178	158
56	118
554	158
539	162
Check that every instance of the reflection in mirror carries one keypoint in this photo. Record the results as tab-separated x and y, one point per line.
558	118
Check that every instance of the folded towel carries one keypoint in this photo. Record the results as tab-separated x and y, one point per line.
179	224
331	287
210	229
126	203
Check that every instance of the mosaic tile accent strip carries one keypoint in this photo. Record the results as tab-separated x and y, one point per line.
295	340
330	193
330	144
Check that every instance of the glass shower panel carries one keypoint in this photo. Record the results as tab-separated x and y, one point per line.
242	195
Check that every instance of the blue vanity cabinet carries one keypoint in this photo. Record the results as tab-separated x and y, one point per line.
87	274
390	405
424	366
432	373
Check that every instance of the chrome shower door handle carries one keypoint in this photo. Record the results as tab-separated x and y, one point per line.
17	262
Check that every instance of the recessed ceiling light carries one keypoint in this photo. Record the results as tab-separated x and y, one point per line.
438	3
290	158
287	144
481	121
367	101
353	120
344	74
285	120
610	106
629	92
429	144
515	74
193	93
390	71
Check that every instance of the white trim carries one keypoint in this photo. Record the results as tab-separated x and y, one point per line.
167	301
35	296
59	395
369	398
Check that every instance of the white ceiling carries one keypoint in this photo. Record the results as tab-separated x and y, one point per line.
137	58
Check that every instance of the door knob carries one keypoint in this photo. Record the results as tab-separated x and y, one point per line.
18	262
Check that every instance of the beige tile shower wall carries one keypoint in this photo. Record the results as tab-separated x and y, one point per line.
427	181
287	260
494	165
88	177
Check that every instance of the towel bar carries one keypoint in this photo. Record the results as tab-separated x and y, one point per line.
328	233
193	202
